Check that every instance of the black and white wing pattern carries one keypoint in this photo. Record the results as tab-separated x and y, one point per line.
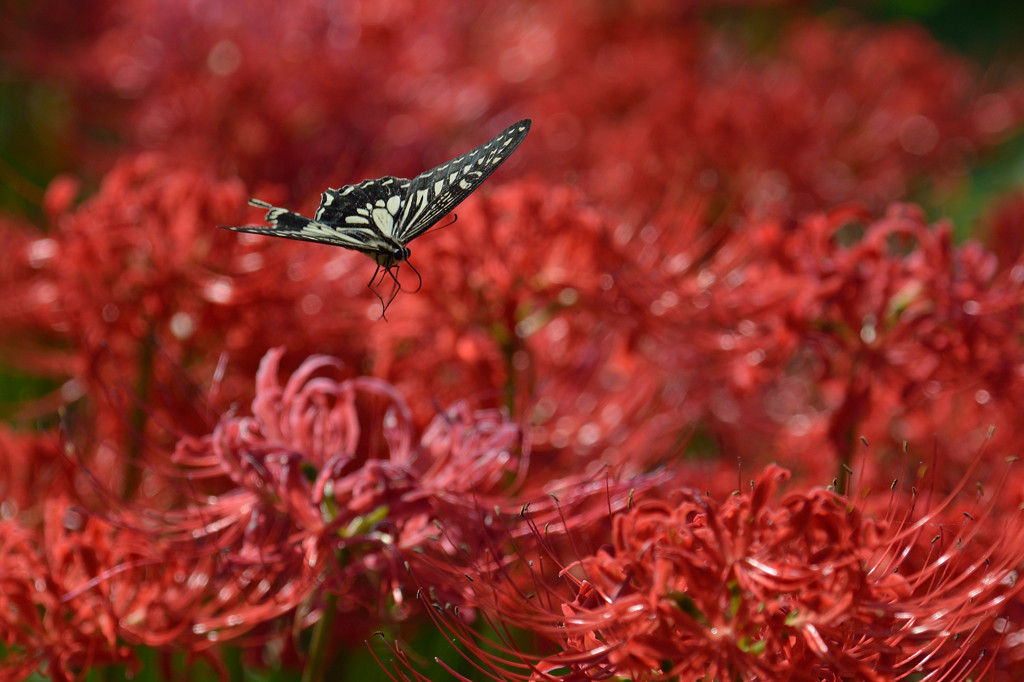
435	193
380	217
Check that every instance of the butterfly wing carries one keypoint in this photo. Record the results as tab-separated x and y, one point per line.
434	193
369	207
285	223
378	217
359	217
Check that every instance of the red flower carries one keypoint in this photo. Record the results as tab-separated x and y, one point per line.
661	276
636	101
804	589
525	293
133	285
811	335
324	490
31	463
53	608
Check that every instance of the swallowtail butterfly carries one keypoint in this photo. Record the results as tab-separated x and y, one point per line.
380	217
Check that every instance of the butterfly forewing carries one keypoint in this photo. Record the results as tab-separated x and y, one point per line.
434	193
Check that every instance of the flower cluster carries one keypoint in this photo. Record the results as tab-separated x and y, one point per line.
844	325
716	250
804	588
324	490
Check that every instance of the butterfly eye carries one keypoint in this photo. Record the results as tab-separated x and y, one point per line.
399	254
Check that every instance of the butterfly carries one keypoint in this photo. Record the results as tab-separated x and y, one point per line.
380	217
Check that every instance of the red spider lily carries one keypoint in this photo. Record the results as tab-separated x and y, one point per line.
44	618
325	491
826	115
319	500
1005	230
122	266
525	292
132	284
30	463
592	300
288	94
636	100
805	589
842	326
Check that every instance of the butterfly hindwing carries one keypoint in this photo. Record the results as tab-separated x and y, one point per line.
434	193
290	225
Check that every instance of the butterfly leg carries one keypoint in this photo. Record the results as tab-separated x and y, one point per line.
395	287
419	284
369	285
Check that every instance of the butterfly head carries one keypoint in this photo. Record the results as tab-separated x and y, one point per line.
388	259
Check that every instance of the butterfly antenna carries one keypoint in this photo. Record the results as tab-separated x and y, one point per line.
437	228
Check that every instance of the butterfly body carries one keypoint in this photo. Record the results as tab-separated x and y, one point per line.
380	217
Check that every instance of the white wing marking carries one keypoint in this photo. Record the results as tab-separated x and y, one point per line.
383	220
394	203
